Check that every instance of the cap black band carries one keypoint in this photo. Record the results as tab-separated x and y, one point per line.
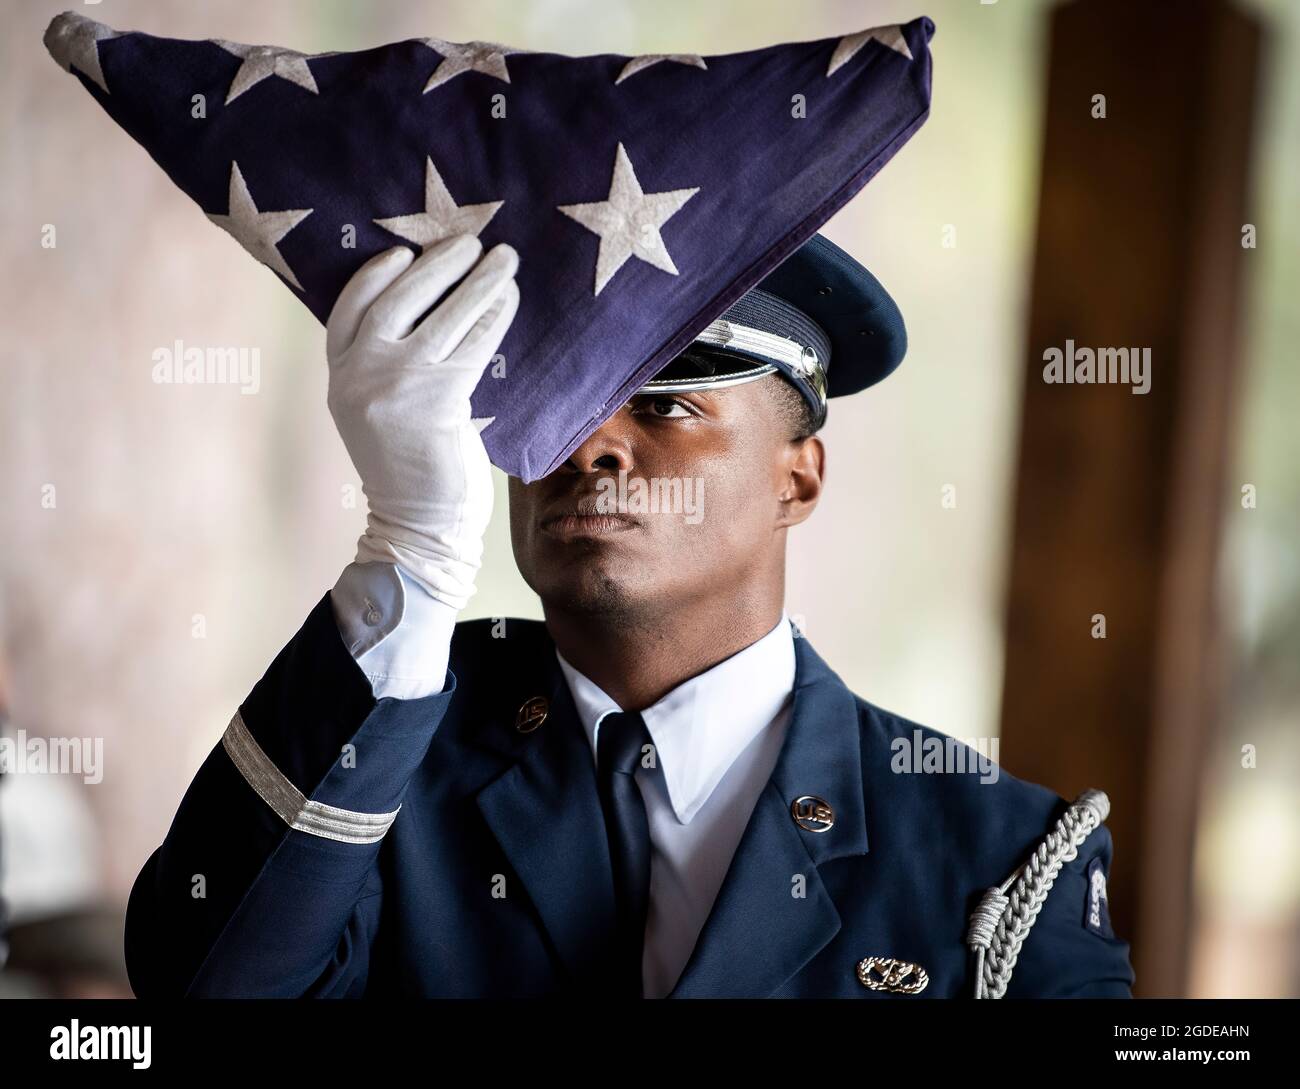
760	333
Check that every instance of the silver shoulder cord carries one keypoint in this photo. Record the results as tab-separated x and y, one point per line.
999	926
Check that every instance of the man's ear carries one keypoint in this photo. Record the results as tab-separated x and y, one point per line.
803	466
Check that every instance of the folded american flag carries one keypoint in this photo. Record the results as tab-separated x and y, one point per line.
644	194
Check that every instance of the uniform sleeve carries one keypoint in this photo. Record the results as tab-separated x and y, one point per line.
267	882
1072	951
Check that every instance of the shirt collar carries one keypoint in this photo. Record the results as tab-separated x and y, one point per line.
701	726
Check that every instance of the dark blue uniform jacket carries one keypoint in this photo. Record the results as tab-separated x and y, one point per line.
494	878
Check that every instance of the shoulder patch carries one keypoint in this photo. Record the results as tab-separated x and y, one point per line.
1096	914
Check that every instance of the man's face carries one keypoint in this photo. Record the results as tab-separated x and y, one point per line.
722	464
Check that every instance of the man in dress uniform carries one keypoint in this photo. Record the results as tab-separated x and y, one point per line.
660	790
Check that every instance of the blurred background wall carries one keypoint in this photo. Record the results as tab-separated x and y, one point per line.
193	527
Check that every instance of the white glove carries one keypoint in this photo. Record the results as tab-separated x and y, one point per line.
399	394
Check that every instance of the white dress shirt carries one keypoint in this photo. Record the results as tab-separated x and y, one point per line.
717	737
398	632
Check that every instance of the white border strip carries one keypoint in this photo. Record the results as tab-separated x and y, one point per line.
292	806
728	334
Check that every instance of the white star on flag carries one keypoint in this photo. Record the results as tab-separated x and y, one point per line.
482	57
628	221
73	41
258	232
263	61
640	64
442	217
847	48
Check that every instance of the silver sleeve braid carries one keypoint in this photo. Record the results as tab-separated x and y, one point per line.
1001	922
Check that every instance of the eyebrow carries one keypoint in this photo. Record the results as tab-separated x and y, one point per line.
706	401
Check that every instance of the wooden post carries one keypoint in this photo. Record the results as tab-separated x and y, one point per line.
1120	495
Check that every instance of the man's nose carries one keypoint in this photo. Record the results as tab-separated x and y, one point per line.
605	448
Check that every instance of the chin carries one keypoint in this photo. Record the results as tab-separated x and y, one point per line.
591	591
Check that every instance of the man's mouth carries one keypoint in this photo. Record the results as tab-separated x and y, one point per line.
585	518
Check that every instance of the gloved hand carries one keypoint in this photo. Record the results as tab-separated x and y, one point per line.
399	394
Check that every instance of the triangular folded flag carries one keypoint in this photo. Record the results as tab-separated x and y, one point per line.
645	194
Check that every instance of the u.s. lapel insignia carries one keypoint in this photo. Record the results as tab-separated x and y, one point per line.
812	814
896	976
532	714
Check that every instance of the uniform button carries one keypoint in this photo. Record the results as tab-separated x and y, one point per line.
532	713
812	814
373	615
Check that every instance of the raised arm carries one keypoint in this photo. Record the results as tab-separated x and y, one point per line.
267	883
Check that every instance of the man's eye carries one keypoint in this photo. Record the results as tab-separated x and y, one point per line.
667	407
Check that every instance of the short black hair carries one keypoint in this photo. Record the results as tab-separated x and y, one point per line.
792	406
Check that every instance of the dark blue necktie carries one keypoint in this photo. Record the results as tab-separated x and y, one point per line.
619	742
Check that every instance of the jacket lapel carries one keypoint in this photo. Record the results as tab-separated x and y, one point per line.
759	933
545	813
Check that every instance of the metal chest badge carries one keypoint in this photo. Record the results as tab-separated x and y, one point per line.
896	976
